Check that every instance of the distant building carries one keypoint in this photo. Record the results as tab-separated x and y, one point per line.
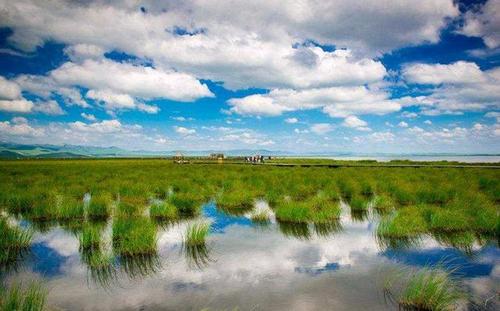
179	158
217	156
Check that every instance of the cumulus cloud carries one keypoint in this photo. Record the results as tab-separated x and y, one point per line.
291	120
484	23
9	90
18	126
321	128
184	130
403	124
88	116
50	107
458	87
334	101
460	72
17	105
355	122
247	45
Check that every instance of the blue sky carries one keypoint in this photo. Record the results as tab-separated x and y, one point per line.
385	76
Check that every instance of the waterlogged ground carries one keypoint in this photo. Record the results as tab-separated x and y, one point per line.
248	266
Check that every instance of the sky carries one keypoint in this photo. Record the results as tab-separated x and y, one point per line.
375	76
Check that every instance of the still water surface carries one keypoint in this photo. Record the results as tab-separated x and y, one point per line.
251	267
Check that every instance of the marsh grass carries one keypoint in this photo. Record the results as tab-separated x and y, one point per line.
196	233
404	223
238	198
17	297
69	209
424	289
163	210
90	237
101	267
187	203
297	230
100	206
13	242
291	211
140	266
383	204
260	216
131	206
327	229
358	203
134	237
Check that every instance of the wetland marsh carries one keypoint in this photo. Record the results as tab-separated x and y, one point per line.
149	234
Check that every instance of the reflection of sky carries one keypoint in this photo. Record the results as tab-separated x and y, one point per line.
260	269
46	261
449	257
221	220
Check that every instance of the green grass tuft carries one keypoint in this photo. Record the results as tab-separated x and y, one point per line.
134	236
23	298
163	211
196	233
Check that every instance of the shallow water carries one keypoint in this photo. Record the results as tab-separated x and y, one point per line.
251	267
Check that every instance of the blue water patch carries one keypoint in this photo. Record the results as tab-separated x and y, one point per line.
221	220
458	262
45	260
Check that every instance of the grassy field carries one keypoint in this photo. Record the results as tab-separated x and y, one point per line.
429	199
142	193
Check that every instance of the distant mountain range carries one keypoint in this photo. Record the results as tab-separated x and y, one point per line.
20	151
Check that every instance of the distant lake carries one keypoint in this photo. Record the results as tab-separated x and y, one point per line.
458	158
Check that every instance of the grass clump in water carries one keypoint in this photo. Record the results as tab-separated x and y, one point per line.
130	206
424	289
291	211
196	233
17	297
134	236
407	222
69	209
13	241
100	206
163	211
260	216
90	237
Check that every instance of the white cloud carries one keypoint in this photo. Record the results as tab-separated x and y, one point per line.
460	72
80	52
9	90
137	81
321	128
184	131
382	137
105	126
291	120
428	122
18	127
334	101
17	105
240	43
484	23
50	107
355	122
299	131
88	116
403	124
458	87
409	115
